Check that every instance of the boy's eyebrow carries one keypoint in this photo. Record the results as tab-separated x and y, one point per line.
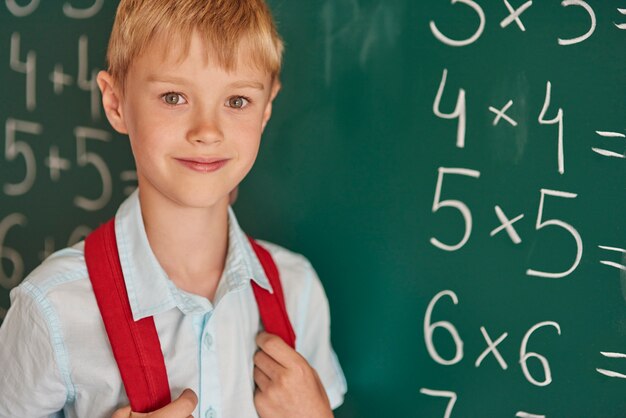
166	79
178	80
252	84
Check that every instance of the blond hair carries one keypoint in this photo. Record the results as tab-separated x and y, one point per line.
223	25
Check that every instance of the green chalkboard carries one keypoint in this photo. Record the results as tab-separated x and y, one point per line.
455	171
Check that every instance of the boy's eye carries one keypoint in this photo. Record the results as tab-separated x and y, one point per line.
237	102
173	99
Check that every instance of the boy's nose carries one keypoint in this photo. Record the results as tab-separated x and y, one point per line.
205	130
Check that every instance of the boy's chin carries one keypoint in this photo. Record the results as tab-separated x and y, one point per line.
184	196
185	199
202	200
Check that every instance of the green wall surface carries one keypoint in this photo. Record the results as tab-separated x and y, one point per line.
454	170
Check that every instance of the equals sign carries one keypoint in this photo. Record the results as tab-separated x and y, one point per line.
605	134
129	175
611	263
611	373
621	26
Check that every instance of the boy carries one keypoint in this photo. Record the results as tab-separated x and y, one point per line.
192	83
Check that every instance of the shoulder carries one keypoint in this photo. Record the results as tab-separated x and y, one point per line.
62	266
302	287
58	291
293	264
297	275
63	271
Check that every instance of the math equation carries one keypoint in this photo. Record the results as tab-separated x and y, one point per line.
608	143
40	153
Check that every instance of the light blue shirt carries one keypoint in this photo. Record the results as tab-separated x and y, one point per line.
55	355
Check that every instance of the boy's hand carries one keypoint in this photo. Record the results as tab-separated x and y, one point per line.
287	386
180	408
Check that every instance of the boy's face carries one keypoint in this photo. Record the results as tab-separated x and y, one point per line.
194	128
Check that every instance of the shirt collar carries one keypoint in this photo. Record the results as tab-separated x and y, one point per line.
150	290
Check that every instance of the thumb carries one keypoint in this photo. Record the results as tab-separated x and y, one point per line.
182	407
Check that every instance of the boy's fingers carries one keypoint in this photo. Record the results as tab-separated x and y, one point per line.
276	348
181	407
261	379
267	364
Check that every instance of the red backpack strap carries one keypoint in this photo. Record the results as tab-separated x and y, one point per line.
272	305
135	345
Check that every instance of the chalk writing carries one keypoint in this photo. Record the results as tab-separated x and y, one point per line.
592	27
611	263
608	153
524	354
463	42
28	68
501	114
129	176
515	15
507	225
611	373
14	148
56	164
457	204
558	119
429	329
522	414
492	348
621	26
59	79
459	112
31	146
82	13
8	280
541	223
85	82
86	158
69	9
22	11
442	394
507	116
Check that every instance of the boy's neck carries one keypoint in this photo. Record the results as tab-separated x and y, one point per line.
190	244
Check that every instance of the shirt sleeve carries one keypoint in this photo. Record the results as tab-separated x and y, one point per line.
30	382
313	339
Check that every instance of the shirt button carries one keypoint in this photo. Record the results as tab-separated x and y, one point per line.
208	343
210	413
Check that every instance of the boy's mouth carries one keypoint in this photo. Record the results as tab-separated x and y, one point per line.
203	165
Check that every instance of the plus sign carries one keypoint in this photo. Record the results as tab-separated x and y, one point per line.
60	79
56	163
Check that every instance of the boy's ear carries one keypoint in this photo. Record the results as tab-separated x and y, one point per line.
268	109
112	102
